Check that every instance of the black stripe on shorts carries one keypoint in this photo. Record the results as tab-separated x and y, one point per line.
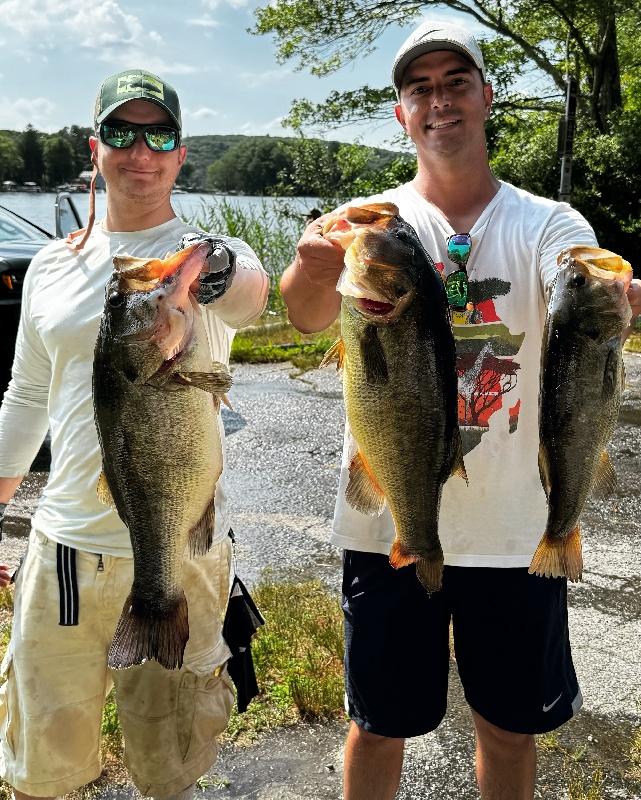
67	584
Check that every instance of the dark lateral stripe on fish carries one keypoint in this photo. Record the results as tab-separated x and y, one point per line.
67	584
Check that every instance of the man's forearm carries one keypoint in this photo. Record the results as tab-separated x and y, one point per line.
311	306
8	487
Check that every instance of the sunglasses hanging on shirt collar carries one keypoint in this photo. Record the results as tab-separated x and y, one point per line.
459	247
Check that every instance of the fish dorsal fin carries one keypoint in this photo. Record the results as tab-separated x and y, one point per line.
373	356
202	534
335	353
104	492
363	492
605	482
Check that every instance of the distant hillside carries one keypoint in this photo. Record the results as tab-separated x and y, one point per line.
205	150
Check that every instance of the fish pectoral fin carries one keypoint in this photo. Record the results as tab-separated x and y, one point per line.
373	356
335	352
363	492
559	558
217	382
104	492
605	481
202	534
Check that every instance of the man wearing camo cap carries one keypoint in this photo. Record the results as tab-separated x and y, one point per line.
78	570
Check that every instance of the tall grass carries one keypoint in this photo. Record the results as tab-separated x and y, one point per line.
272	229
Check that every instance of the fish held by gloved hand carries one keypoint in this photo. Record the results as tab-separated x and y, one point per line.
581	381
156	405
398	359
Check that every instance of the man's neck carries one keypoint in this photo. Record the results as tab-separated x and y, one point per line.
461	195
134	216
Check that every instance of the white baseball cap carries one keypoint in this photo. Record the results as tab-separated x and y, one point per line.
430	36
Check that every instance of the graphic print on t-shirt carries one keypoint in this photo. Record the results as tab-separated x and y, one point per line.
487	371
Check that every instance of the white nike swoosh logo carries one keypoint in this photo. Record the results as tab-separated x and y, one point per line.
547	708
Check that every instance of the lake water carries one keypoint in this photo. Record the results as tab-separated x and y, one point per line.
39	208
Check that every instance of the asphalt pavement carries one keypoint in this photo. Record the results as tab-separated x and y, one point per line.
284	441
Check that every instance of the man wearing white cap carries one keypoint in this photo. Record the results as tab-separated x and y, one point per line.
498	246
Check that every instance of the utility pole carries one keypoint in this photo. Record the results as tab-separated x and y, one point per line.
566	140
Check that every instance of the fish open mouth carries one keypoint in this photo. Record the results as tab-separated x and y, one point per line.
376	308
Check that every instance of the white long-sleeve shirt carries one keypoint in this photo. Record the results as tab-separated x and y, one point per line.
63	301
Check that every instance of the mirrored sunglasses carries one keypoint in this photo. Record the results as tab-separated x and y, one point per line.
459	247
159	138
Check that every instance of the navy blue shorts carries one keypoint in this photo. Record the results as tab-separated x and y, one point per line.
511	644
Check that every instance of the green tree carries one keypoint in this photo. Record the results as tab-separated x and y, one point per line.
250	166
32	153
186	172
59	159
547	37
10	159
336	172
78	138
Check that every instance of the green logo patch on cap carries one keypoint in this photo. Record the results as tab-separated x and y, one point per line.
136	84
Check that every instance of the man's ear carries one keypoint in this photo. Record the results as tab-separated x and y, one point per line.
93	144
488	94
398	110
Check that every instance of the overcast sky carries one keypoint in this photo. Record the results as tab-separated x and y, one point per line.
54	55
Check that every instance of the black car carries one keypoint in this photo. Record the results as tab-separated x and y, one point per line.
20	240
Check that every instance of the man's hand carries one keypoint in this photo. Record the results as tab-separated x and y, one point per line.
220	267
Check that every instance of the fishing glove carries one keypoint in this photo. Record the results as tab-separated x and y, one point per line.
3	507
219	269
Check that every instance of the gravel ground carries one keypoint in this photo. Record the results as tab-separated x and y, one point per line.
284	445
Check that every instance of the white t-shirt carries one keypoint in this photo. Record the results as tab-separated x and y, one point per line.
499	518
63	301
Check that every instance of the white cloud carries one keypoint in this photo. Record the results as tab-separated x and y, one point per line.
203	22
273	126
17	114
256	79
212	4
201	113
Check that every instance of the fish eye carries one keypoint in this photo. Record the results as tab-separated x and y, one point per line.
579	280
115	298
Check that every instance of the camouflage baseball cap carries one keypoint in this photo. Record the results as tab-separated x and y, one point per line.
136	84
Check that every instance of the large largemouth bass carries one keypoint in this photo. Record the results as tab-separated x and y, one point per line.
157	422
398	358
580	393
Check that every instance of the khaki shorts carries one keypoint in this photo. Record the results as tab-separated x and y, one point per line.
57	679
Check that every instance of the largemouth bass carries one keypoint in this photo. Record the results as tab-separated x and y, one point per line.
580	394
398	358
156	403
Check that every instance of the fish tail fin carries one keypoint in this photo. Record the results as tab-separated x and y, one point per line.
202	534
430	573
142	637
555	559
363	492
